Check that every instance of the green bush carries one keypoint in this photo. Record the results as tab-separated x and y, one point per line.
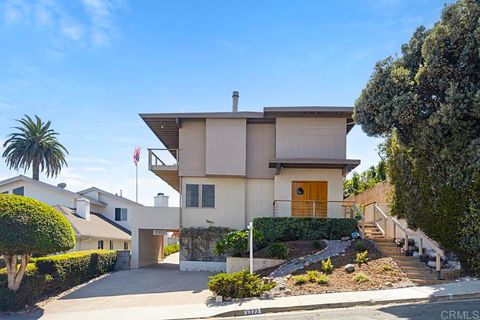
299	280
277	251
238	285
236	243
386	268
54	274
28	226
360	277
312	275
323	279
317	244
361	257
327	266
291	229
360	246
173	248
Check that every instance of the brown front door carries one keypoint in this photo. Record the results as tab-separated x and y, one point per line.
309	198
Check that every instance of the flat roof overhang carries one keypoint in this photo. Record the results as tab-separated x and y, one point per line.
346	165
165	125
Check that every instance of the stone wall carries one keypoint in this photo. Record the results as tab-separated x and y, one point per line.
197	244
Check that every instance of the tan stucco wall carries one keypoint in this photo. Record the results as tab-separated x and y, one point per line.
150	247
229	208
334	177
226	147
259	198
311	138
92	244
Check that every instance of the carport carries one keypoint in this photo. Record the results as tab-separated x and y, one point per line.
149	230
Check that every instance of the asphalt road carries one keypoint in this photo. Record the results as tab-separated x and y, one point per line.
453	310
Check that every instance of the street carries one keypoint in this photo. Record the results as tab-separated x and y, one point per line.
453	310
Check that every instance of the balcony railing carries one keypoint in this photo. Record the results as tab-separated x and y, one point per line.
313	208
162	158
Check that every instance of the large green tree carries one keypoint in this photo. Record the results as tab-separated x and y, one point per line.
427	104
35	145
27	227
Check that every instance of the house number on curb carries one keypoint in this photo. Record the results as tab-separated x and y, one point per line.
250	312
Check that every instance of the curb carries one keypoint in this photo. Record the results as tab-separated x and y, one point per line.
336	305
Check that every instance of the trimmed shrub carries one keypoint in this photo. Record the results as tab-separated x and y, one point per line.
386	268
299	280
312	275
323	279
173	248
360	246
360	277
54	274
291	229
236	243
277	250
361	257
317	244
238	285
327	266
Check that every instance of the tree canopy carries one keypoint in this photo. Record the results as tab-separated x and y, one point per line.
35	145
426	103
28	227
360	182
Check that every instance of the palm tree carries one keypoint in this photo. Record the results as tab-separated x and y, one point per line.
35	145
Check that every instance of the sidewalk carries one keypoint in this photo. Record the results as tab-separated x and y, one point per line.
450	291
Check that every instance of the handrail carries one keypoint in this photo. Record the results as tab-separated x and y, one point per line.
361	229
311	208
155	160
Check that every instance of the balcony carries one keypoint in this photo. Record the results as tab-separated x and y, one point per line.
313	209
164	163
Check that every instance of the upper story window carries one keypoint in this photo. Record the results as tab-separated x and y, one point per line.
121	214
208	195
194	193
18	191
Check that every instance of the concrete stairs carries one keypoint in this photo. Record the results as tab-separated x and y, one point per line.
415	270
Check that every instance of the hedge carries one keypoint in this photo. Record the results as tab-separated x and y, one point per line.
291	229
172	248
54	274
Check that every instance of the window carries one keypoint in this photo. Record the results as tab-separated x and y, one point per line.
4	192
121	214
208	196
18	191
125	246
100	244
192	195
111	245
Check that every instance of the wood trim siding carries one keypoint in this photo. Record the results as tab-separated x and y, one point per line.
192	148
260	150
311	138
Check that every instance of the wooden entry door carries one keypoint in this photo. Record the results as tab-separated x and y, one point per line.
309	199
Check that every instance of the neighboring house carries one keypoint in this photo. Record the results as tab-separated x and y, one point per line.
231	167
89	212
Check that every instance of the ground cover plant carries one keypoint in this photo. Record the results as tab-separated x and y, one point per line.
238	285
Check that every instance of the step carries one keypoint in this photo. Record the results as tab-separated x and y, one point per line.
419	274
411	268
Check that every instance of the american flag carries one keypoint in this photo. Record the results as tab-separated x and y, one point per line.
136	155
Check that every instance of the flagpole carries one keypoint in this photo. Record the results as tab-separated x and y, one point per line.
136	183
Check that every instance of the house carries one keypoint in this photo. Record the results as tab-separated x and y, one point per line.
231	167
99	219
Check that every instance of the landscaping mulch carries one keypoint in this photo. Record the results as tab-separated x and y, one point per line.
341	281
297	248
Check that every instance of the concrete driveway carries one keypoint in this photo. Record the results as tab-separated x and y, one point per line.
156	286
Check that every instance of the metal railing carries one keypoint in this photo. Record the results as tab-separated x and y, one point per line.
311	208
380	219
162	157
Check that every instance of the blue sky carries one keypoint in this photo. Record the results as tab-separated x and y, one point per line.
90	66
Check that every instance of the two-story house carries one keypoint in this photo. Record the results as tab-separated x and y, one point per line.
231	167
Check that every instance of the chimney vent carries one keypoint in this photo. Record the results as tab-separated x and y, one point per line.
160	200
235	96
83	208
